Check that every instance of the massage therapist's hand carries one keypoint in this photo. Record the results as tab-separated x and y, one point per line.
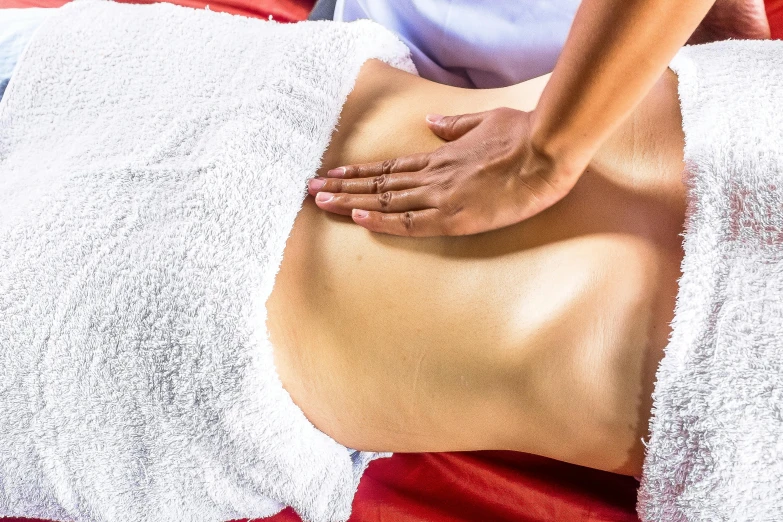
494	173
491	174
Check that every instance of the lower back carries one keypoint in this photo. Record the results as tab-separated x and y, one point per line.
541	337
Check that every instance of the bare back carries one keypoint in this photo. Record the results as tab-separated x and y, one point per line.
541	337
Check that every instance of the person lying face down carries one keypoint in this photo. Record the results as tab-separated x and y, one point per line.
161	247
541	337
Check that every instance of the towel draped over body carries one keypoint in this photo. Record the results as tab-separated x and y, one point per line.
716	447
153	159
152	162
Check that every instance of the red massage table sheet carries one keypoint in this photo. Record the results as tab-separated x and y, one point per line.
460	487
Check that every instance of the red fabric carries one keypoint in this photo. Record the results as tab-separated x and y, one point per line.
775	16
492	485
461	487
281	10
481	486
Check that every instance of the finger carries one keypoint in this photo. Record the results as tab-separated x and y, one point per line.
452	127
374	185
392	201
418	223
411	163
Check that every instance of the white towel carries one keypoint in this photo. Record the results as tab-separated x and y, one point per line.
716	447
152	162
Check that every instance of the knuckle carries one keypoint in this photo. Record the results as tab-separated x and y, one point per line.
385	199
445	185
388	166
407	221
450	208
380	182
439	157
438	196
479	159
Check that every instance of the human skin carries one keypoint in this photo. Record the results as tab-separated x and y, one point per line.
541	337
502	167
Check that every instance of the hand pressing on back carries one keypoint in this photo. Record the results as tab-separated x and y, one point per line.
503	166
489	175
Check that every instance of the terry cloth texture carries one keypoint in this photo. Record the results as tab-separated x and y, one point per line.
153	159
716	447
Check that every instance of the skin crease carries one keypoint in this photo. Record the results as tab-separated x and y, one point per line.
541	337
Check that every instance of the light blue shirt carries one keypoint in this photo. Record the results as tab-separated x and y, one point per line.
16	29
473	43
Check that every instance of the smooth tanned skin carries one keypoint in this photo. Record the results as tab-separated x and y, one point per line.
542	337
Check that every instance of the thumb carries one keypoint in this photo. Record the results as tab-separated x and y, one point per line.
451	128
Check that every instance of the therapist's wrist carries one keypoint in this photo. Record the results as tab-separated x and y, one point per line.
568	155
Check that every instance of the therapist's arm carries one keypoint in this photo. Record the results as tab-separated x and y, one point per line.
503	166
615	52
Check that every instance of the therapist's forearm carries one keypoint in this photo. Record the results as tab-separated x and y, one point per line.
615	52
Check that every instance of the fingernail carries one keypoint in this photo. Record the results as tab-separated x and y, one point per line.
323	197
434	118
339	172
359	214
317	183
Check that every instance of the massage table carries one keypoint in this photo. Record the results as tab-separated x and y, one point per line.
492	485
